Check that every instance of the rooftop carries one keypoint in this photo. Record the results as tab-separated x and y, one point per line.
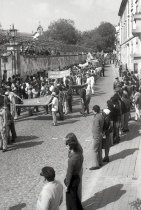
122	7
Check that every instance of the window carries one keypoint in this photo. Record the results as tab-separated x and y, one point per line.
135	68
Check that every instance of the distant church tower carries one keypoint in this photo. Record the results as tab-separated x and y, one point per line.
39	32
40	29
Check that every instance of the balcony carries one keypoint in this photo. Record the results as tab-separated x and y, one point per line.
136	32
137	58
137	16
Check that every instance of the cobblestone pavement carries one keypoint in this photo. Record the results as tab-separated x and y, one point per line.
115	186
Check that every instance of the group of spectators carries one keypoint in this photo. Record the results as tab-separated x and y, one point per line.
112	122
108	126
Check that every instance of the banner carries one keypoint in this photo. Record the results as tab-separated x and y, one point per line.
58	74
42	101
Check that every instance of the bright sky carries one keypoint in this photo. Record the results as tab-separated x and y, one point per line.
87	14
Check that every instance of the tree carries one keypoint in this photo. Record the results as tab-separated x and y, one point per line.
107	32
63	30
101	38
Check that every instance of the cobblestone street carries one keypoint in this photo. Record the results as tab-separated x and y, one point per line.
116	186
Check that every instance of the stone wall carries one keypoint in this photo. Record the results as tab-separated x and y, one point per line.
30	65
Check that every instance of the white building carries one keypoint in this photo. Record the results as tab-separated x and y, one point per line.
130	34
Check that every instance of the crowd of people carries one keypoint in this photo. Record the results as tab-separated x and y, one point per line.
15	90
108	126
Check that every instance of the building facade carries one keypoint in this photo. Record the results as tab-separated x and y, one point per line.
130	34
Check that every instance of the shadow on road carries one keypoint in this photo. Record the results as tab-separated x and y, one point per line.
26	138
18	207
123	154
68	122
98	200
99	93
24	145
135	131
36	117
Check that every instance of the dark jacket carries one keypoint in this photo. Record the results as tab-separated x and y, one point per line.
83	94
127	104
75	162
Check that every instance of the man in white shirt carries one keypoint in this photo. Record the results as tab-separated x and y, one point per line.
51	195
54	109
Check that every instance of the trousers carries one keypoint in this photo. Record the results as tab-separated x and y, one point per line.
72	200
137	112
11	127
54	117
97	151
3	139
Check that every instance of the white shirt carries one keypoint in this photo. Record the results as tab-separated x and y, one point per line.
78	80
88	81
51	196
88	91
55	104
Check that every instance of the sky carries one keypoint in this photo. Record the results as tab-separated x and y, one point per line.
87	14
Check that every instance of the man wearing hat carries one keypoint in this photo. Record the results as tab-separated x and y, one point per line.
51	195
97	130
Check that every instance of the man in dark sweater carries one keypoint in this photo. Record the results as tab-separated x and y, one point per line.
97	130
83	101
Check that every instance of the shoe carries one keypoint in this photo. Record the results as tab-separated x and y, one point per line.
127	130
4	150
94	168
54	124
84	115
106	160
13	140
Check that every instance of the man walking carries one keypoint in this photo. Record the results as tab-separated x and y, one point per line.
51	195
83	101
97	130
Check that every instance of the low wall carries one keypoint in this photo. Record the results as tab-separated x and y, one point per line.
30	65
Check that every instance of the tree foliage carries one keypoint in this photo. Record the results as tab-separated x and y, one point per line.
63	30
99	39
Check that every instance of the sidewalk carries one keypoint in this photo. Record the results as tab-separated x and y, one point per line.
117	185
